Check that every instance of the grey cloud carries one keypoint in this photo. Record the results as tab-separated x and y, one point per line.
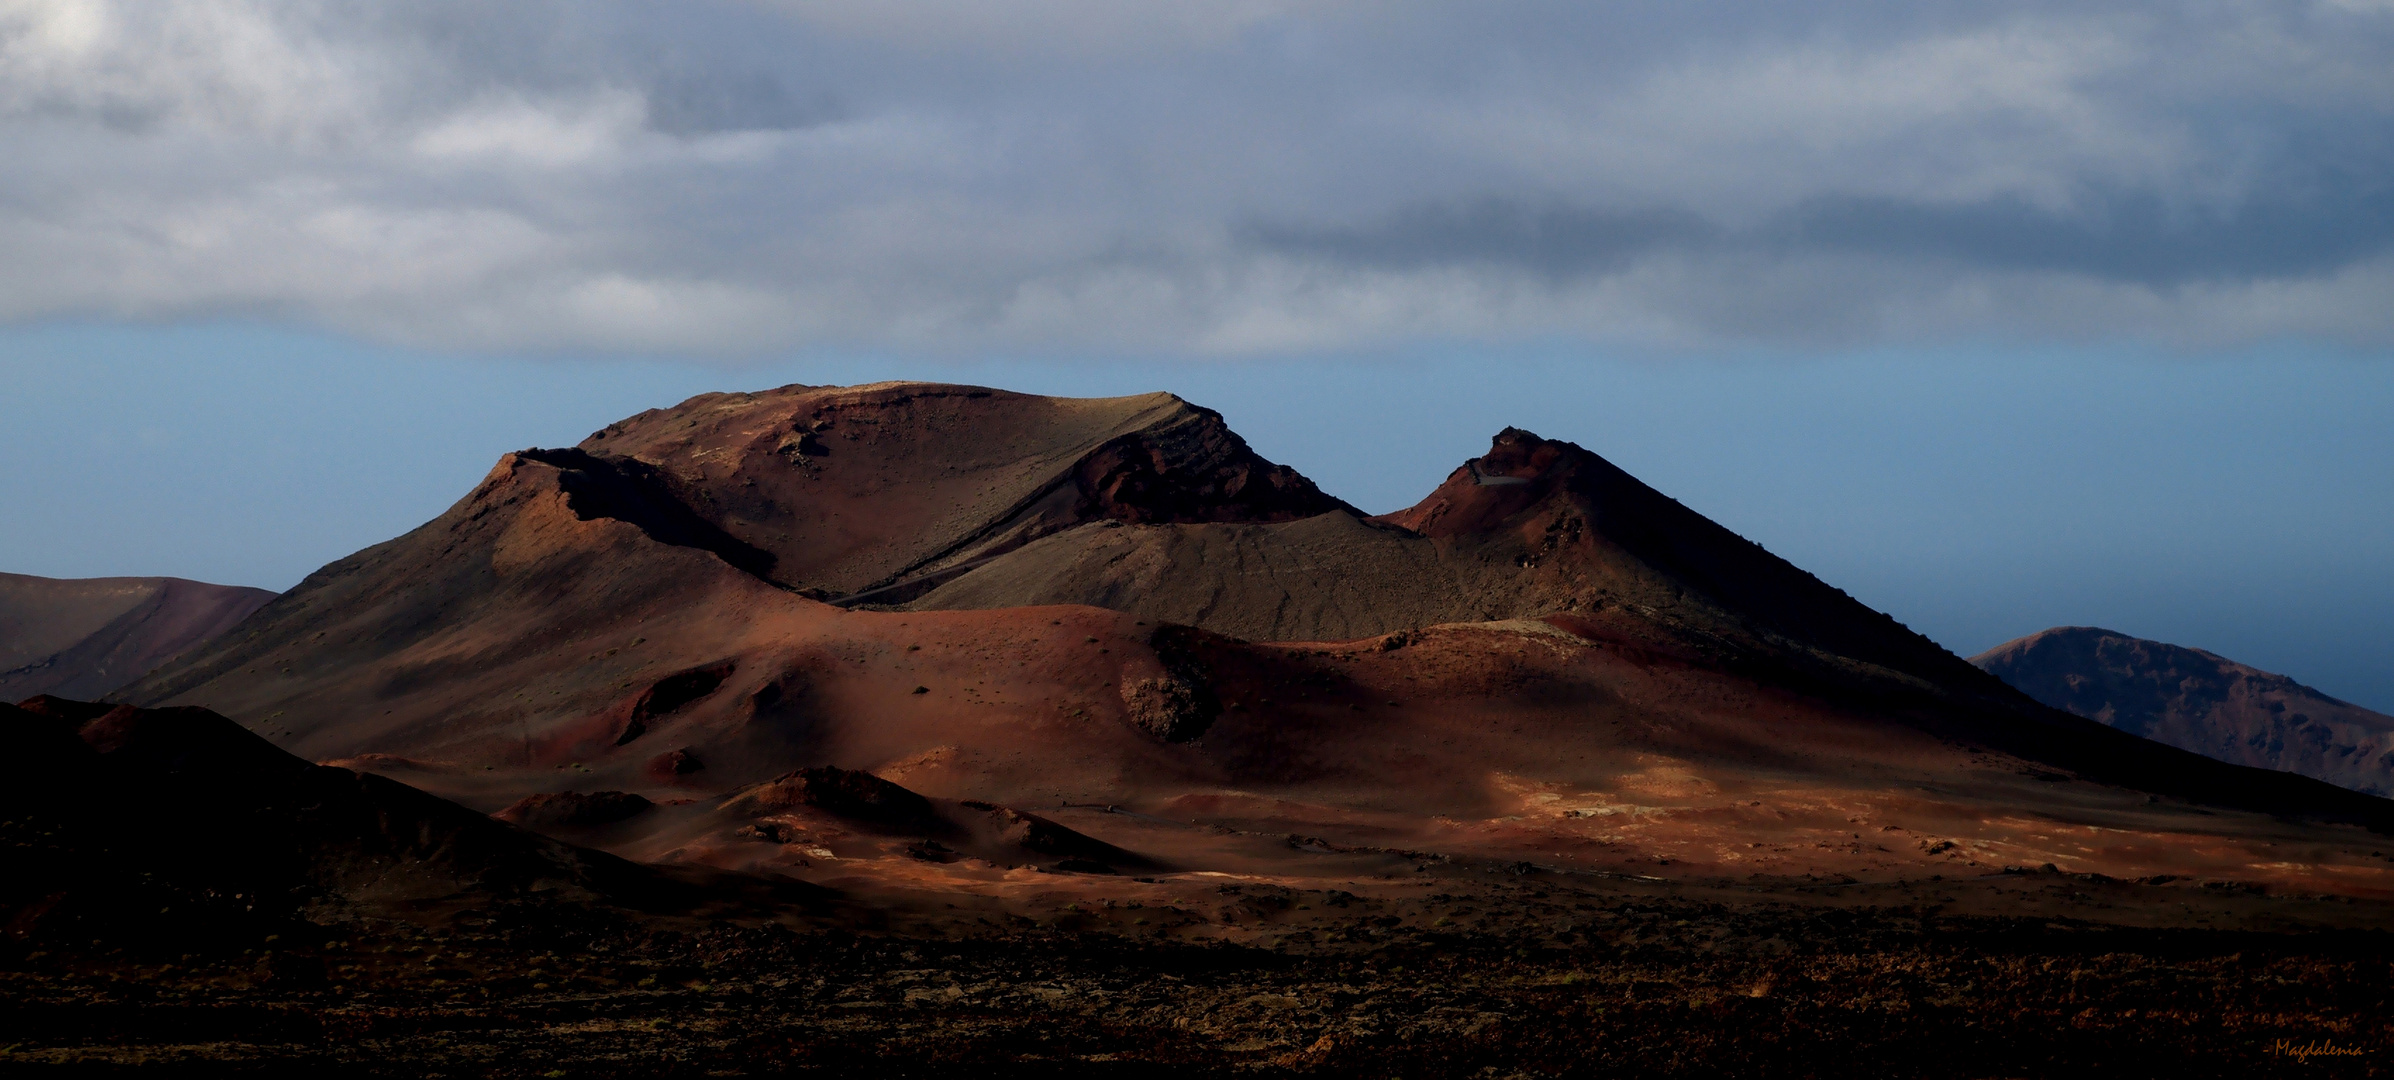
741	175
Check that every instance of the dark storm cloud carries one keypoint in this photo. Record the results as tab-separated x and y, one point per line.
1268	175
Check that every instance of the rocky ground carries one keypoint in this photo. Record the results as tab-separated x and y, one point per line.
1518	977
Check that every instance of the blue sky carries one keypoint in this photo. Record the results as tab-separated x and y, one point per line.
2242	504
1998	316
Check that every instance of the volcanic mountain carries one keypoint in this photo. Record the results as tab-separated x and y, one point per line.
85	637
2200	701
1105	633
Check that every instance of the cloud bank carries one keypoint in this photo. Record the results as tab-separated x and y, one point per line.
1255	176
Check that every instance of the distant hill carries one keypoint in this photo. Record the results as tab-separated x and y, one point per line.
85	637
2202	702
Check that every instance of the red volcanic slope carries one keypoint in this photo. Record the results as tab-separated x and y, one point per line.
640	615
85	637
2202	702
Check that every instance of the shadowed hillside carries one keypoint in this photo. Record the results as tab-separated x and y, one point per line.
166	825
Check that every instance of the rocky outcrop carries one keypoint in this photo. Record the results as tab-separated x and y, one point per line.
1178	704
794	809
644	496
1030	832
1190	469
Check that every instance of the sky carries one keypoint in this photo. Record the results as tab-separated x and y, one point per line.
1997	316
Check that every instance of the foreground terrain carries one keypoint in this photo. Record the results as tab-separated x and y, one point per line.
1463	975
311	918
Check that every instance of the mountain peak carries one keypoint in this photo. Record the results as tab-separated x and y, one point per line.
1520	470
